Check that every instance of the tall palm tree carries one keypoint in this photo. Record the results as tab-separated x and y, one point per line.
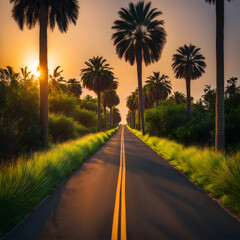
98	76
46	13
139	37
188	63
220	123
159	86
113	100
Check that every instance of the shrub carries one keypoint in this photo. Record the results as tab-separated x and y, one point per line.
85	117
63	104
62	128
165	119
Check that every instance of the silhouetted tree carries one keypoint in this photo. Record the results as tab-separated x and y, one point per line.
98	76
178	98
159	86
139	37
74	87
189	64
45	13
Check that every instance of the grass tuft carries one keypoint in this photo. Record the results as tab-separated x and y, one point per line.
24	183
216	172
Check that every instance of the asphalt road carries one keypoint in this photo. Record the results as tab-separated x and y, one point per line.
127	191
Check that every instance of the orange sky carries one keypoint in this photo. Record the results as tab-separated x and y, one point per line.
186	21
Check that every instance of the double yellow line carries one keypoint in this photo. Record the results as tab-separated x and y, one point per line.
120	192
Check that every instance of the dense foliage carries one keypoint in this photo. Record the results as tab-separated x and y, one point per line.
70	117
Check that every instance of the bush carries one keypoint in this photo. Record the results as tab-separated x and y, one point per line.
63	104
85	117
165	119
62	128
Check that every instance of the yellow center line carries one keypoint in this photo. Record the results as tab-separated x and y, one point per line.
120	191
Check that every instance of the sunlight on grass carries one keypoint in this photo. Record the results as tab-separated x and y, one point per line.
26	182
217	173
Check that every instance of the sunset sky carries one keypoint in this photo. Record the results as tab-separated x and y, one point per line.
186	21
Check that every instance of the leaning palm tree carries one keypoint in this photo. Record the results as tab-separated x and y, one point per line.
139	37
188	63
98	76
159	86
46	13
220	125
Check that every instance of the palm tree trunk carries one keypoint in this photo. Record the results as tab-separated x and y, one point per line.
99	111
105	116
43	62
140	90
110	118
220	128
157	101
188	87
132	119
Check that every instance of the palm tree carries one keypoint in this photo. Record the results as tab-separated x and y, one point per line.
98	76
46	13
139	37
148	101
159	86
220	123
188	63
11	75
132	105
74	87
25	74
113	100
178	98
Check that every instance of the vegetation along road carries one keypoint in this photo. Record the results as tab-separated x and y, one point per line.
127	191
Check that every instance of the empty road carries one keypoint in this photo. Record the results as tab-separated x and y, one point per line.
127	191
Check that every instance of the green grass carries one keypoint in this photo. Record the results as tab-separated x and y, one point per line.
24	183
214	171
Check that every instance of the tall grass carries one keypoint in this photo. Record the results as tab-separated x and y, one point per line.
218	173
26	182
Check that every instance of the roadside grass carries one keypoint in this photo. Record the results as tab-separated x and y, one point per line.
26	182
216	172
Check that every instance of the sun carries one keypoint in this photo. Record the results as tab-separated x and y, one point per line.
36	71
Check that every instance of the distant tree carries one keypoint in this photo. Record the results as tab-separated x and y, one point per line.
112	100
139	37
98	76
189	64
209	98
232	88
45	13
178	98
132	105
11	76
88	98
116	117
25	74
220	123
148	101
159	86
74	87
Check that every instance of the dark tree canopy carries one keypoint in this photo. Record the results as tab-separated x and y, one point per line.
188	62
138	31
61	12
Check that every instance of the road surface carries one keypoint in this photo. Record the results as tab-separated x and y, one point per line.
127	191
